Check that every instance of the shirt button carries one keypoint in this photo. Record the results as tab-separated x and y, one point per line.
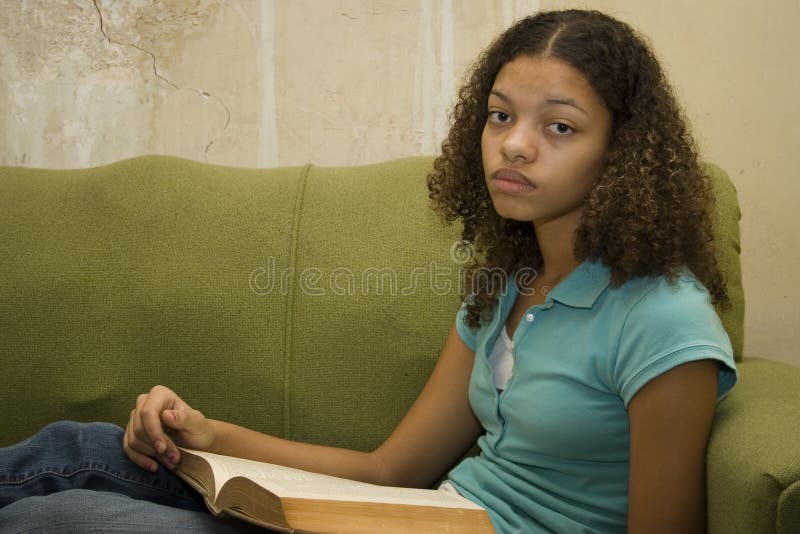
529	317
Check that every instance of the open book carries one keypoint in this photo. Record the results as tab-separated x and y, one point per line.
291	500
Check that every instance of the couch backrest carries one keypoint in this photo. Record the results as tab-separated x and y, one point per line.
242	289
728	250
306	302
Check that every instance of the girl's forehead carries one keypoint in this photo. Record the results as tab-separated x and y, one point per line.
541	68
534	75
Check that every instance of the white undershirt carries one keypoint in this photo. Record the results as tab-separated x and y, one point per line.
502	360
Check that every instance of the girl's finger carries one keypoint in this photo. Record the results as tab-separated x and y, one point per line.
133	450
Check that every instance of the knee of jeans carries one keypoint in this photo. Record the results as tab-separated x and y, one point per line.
63	431
71	510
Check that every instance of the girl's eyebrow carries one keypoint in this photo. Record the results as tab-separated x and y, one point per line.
550	101
500	95
565	102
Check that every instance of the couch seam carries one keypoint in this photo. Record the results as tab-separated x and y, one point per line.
785	489
290	299
778	488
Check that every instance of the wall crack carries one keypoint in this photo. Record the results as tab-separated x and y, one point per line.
201	93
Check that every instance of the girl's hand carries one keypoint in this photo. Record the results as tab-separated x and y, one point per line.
160	423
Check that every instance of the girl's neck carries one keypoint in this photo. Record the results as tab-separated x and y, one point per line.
556	241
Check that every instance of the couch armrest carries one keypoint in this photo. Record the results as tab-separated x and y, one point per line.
753	463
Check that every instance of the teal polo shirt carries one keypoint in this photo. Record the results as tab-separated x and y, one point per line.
555	454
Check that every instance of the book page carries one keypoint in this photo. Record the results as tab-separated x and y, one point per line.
194	470
296	483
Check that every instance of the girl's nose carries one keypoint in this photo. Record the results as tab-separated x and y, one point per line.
520	144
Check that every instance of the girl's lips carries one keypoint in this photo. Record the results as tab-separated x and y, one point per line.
509	181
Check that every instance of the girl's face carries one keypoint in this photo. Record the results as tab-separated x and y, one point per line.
544	142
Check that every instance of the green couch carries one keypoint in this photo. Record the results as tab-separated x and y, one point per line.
305	302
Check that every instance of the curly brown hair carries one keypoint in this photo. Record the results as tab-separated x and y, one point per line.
649	213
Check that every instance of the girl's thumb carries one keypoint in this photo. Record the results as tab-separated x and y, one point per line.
176	419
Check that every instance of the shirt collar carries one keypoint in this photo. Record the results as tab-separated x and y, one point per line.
582	287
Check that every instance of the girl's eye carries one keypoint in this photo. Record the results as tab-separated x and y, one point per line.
559	128
499	116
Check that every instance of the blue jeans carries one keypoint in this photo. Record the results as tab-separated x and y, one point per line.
75	477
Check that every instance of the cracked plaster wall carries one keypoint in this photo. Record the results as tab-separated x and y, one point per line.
240	82
87	82
283	82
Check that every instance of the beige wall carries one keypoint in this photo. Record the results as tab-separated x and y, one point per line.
280	82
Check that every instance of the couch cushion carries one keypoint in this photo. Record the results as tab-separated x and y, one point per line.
117	278
386	295
752	464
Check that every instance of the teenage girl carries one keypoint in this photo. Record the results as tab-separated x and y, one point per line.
588	371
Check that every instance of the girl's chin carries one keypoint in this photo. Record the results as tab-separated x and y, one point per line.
512	214
509	209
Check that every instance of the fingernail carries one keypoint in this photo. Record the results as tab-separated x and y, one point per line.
173	457
152	467
160	446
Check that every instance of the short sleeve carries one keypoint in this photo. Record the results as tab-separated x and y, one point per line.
468	335
671	324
